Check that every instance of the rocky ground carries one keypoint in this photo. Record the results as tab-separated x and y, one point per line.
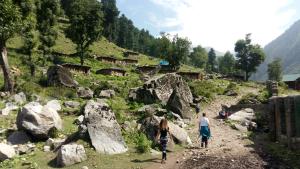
228	148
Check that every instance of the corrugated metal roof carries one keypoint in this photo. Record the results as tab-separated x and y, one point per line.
290	77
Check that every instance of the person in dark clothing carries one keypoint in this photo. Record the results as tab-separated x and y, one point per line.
162	134
197	108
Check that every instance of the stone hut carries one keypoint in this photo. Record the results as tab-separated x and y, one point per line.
285	120
128	61
191	75
167	69
107	59
112	72
146	69
76	67
131	54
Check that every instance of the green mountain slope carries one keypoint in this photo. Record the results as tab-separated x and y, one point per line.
286	47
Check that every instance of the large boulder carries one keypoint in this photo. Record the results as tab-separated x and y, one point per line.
58	75
72	104
70	154
150	127
85	93
38	120
6	152
18	137
152	109
168	89
179	103
103	129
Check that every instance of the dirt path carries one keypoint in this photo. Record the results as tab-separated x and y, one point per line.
228	148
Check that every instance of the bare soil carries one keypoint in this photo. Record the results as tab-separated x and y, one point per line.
228	148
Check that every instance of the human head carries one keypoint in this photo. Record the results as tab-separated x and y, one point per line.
204	114
163	124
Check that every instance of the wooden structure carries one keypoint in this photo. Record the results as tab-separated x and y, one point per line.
128	61
167	69
130	53
292	80
107	59
76	67
112	72
285	120
191	75
146	69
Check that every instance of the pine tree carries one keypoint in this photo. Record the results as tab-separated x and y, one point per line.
111	14
211	64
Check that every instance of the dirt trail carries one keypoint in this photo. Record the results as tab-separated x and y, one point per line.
228	148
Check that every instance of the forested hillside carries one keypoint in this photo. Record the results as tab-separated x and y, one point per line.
287	48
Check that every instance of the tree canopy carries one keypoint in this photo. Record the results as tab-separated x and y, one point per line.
85	25
226	63
199	57
249	56
211	64
275	70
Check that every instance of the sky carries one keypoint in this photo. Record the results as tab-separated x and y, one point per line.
214	23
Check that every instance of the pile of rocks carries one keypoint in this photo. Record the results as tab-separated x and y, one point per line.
245	119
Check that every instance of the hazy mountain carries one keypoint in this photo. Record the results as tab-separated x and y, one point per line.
286	47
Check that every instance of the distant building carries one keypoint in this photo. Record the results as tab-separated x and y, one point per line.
112	72
132	54
78	68
107	59
292	80
191	75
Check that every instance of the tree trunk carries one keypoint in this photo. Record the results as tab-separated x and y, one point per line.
247	76
81	58
8	82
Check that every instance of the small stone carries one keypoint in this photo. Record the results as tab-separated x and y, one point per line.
84	167
47	148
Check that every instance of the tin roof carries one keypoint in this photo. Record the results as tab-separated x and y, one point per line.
290	77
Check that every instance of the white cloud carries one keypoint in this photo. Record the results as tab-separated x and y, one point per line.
220	23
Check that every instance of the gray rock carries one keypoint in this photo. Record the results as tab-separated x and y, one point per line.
150	127
180	104
70	154
104	131
38	120
160	88
54	104
107	94
149	110
9	106
72	104
6	152
179	134
79	120
19	98
58	75
243	115
24	149
85	93
84	167
18	137
54	143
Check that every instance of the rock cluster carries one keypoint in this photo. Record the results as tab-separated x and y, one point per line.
169	89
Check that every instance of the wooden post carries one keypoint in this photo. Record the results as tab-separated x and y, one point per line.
287	106
277	118
272	122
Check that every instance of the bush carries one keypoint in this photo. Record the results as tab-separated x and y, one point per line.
139	140
231	87
207	88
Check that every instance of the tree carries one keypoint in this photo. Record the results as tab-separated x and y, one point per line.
249	56
10	23
111	14
275	70
85	25
181	50
28	34
226	63
211	64
198	57
47	15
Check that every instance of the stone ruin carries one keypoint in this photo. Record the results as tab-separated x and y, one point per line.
78	68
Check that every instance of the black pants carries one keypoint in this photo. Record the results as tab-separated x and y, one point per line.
204	140
163	143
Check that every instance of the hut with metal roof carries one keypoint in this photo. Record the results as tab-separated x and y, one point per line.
292	80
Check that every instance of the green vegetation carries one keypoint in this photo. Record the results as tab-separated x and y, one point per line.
208	88
249	56
226	64
275	70
211	63
251	98
199	57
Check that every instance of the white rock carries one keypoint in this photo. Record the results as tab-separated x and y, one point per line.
54	104
19	98
70	154
6	152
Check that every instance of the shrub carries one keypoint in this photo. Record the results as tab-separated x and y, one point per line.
207	88
143	145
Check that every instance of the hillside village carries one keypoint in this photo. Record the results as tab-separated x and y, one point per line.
102	108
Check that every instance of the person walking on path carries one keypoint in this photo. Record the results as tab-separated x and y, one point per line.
163	132
204	130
